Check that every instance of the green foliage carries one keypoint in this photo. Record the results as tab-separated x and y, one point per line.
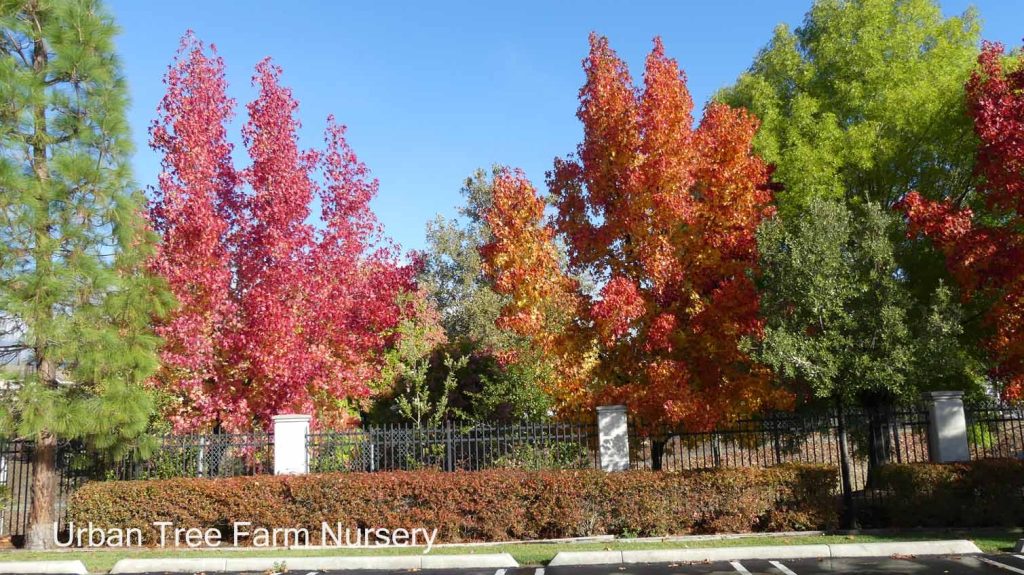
73	289
493	505
417	404
452	272
981	436
556	455
839	314
860	105
865	102
513	394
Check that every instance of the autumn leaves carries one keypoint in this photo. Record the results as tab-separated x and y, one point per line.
661	216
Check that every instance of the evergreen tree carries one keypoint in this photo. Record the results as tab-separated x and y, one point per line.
73	293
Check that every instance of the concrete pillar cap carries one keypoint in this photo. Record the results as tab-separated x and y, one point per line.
943	394
287	417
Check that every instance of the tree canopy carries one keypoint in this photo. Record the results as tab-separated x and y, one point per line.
75	299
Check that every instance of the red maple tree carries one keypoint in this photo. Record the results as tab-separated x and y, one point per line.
275	314
984	248
662	217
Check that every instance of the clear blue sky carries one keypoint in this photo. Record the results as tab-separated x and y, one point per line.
432	90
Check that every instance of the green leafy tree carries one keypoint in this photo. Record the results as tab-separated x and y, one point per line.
75	300
839	315
865	102
860	105
840	319
452	272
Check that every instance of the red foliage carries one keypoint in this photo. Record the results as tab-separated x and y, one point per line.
985	250
492	505
275	316
663	216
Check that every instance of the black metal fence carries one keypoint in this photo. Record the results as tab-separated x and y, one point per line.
203	455
873	437
995	431
215	455
451	448
16	469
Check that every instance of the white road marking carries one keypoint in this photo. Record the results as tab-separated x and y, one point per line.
1019	556
783	568
739	567
539	571
1002	566
499	572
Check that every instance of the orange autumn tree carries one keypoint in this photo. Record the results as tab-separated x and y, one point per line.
660	216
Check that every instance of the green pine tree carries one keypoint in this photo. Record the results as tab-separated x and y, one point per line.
75	301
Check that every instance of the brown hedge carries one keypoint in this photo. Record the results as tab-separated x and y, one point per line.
493	505
987	492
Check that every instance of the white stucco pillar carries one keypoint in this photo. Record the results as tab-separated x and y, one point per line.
290	433
613	437
947	427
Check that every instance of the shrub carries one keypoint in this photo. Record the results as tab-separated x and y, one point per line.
988	492
493	505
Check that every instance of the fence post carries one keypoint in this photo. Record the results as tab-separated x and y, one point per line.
290	455
613	437
947	427
201	464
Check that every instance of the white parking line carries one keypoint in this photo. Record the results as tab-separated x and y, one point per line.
499	572
539	571
739	567
1002	566
785	570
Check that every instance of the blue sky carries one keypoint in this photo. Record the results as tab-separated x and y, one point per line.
432	90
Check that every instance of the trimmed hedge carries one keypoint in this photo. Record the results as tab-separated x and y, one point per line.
493	505
987	492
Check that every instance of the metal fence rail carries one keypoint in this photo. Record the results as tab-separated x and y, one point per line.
16	468
995	431
874	437
452	448
204	455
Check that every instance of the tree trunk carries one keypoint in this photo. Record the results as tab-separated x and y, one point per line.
44	456
849	520
44	488
879	452
657	453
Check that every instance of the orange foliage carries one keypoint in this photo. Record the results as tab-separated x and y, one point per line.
662	216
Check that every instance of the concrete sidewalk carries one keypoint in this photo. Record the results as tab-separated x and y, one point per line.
952	547
395	562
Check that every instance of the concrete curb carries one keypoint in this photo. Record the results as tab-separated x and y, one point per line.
953	547
54	567
228	564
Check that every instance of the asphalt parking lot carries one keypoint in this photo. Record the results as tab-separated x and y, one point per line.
953	565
